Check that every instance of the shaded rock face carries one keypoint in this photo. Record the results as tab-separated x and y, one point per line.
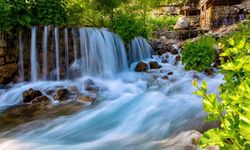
30	95
182	23
7	73
141	67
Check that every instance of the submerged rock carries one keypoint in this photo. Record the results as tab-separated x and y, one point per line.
141	67
22	114
30	94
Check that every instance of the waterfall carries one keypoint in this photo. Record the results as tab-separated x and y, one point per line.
45	52
34	70
74	36
57	53
102	53
139	50
66	40
21	67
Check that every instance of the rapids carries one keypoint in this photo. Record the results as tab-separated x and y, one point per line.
134	111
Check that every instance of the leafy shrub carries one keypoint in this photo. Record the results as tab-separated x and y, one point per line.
49	12
233	108
129	26
199	55
14	14
163	23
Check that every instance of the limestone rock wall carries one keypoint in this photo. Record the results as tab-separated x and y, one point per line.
8	59
9	53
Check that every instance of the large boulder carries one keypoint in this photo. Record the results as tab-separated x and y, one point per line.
141	67
30	94
182	23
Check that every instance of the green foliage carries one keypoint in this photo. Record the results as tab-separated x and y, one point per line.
129	26
199	55
49	12
232	108
162	23
14	14
22	13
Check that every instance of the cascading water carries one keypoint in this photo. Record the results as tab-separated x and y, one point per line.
57	54
66	40
34	68
102	53
45	52
133	110
139	49
74	37
21	67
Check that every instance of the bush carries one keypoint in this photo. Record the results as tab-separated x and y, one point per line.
232	109
49	12
163	23
129	26
199	55
14	14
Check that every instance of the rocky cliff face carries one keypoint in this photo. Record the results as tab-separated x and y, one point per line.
8	59
9	53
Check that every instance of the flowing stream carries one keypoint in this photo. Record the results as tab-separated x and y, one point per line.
133	110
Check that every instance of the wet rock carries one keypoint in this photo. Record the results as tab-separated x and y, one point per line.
141	67
90	86
89	82
182	23
23	114
164	60
170	73
41	100
177	59
170	48
187	140
165	77
74	90
85	99
209	71
195	76
62	94
154	65
30	94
